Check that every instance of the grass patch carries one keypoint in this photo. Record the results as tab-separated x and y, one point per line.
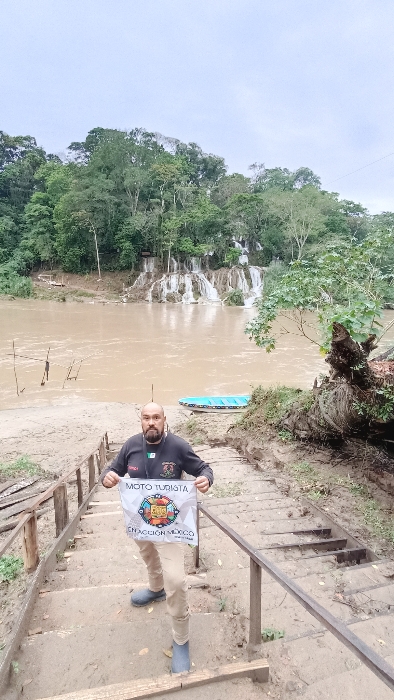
309	480
10	567
271	405
380	524
192	428
82	293
234	489
23	466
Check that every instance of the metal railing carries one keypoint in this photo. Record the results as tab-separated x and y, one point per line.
257	562
27	524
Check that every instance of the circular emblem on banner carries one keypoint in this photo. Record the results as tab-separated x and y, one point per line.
158	510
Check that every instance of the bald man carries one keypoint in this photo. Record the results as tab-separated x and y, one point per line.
155	454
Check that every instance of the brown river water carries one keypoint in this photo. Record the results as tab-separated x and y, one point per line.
183	350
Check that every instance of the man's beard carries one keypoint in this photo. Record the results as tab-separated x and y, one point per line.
153	435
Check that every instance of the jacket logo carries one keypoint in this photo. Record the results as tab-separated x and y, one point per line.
168	470
132	469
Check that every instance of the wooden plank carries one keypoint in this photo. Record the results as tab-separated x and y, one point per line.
254	608
99	515
31	557
92	475
328	544
25	506
18	485
79	485
18	498
148	688
61	508
6	485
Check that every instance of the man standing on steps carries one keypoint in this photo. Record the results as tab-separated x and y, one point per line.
151	455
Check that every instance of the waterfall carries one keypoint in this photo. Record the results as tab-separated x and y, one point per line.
257	284
188	297
241	282
148	264
243	259
207	289
181	284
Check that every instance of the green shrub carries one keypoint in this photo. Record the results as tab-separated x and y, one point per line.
13	284
234	298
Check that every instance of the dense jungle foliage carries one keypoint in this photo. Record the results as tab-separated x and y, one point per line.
138	191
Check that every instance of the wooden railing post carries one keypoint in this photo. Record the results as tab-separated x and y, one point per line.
102	456
92	475
79	486
254	609
197	547
61	508
31	557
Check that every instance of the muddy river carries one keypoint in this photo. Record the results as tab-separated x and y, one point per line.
182	350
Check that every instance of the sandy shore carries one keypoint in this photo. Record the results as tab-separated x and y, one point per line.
55	437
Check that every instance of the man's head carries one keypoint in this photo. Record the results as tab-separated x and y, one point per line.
152	422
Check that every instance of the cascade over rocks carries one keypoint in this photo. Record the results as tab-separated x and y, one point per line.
357	399
186	283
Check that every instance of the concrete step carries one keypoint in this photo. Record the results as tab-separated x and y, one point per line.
84	657
320	668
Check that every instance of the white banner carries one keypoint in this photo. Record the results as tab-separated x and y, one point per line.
160	511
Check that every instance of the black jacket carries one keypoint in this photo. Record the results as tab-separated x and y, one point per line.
167	460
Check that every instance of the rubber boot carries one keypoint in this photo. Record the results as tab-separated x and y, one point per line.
145	596
180	658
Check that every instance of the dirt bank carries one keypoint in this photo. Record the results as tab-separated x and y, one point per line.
350	482
66	286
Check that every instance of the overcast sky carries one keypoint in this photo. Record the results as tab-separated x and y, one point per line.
283	82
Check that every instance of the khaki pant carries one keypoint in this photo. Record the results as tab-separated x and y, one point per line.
166	569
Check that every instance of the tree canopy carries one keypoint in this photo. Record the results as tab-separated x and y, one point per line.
138	191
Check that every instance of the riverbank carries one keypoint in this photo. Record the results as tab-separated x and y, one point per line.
56	437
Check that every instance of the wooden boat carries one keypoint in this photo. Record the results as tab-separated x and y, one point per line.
212	404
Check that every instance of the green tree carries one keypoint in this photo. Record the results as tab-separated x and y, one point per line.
345	284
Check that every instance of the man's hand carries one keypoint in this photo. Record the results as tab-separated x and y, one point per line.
111	479
202	483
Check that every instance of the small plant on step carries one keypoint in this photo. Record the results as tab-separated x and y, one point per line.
222	604
10	566
270	634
